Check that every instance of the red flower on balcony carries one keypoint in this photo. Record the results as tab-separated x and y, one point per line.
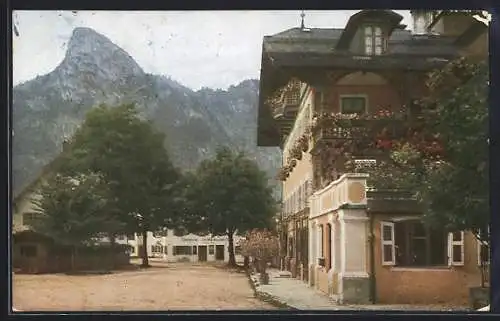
384	144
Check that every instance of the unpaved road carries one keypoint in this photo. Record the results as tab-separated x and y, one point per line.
162	287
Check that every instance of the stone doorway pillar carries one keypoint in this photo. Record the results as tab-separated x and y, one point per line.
312	252
353	277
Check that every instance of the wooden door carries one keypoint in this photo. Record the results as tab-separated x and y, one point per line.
202	253
219	252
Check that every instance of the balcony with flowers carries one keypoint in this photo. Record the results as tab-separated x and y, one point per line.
337	140
286	100
295	154
348	143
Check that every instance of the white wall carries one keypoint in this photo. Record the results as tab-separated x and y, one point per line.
170	240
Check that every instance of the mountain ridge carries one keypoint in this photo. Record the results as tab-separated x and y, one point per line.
94	71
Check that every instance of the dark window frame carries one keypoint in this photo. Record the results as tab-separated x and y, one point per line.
416	245
322	241
345	98
176	250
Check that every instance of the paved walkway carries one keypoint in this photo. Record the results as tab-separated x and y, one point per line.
298	295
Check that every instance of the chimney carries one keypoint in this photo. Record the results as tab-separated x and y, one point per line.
420	21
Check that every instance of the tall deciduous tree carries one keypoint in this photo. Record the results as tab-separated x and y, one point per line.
130	154
72	210
229	194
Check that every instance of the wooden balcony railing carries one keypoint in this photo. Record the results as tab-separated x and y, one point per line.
285	102
330	129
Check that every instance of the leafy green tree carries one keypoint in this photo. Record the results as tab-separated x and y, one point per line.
130	154
72	210
226	195
445	156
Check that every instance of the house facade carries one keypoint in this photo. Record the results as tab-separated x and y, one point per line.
168	247
355	244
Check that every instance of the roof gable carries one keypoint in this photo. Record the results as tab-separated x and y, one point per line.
389	17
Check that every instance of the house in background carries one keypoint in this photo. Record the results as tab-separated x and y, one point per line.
362	245
169	247
30	250
33	252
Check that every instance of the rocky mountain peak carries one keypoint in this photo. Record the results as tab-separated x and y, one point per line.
88	49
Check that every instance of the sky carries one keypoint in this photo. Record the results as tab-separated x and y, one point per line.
214	49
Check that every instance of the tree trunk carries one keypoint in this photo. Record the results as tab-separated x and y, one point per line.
256	265
112	244
232	259
264	277
246	262
145	259
73	256
112	239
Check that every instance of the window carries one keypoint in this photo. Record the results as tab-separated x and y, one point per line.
297	200
30	218
300	197
237	250
353	105
156	249
131	236
28	250
195	250
182	250
411	243
211	249
329	243
304	194
483	253
121	237
132	250
318	100
388	246
373	40
456	248
321	253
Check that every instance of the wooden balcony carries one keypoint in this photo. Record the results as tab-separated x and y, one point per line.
393	201
331	132
287	107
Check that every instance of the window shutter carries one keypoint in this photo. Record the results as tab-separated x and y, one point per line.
482	251
456	248
295	203
320	241
300	197
304	194
388	246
